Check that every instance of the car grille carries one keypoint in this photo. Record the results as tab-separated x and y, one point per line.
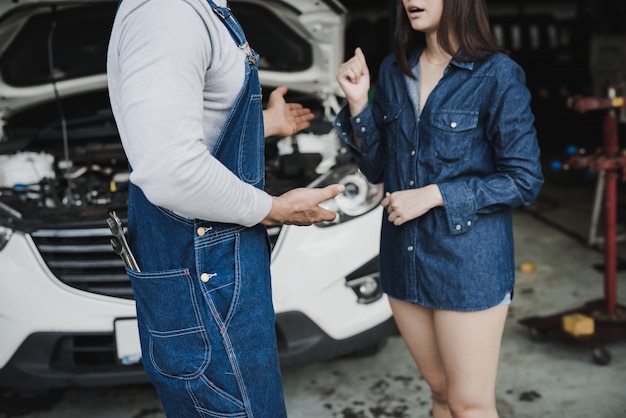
84	259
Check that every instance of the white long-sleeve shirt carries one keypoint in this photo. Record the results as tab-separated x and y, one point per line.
174	72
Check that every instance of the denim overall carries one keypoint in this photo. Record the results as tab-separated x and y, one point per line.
204	300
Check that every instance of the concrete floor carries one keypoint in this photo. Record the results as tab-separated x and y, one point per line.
556	378
550	379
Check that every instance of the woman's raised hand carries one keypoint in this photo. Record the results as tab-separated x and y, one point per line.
353	77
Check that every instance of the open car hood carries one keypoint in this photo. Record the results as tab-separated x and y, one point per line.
306	51
56	49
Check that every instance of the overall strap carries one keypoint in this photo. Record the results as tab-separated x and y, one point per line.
235	30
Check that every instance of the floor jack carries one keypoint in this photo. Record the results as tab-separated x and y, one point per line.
602	321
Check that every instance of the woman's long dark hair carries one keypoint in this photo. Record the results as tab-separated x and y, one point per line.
465	21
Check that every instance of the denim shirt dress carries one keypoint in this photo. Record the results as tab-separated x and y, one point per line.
475	139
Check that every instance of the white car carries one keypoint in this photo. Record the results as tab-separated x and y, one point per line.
67	314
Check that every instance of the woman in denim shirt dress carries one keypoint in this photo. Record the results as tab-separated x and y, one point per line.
451	135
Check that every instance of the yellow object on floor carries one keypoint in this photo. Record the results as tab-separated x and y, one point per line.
578	324
528	267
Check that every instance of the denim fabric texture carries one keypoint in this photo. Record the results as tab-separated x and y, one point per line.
476	140
204	299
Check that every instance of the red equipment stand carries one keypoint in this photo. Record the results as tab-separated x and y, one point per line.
607	317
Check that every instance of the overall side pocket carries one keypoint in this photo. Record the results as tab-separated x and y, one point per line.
173	337
251	165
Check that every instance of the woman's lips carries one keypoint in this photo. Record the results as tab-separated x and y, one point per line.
414	11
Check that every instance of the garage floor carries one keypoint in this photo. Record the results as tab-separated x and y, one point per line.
551	379
556	378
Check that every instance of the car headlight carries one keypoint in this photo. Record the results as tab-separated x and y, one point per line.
5	236
360	195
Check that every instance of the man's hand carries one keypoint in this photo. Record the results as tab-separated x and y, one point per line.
301	206
283	119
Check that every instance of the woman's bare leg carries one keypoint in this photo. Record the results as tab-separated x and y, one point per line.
416	325
469	346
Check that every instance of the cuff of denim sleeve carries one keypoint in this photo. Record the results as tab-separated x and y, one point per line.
347	126
459	207
361	126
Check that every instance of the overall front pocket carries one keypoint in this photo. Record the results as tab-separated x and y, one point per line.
173	336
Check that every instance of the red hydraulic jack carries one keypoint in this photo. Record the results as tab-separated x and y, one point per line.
597	322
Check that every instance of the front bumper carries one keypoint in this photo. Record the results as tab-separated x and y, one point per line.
55	335
301	341
48	360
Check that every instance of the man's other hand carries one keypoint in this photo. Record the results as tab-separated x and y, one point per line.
283	119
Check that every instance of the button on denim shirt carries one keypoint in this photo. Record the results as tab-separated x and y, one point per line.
475	139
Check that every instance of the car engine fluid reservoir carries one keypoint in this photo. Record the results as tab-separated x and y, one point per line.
25	168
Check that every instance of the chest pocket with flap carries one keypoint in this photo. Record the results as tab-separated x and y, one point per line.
452	134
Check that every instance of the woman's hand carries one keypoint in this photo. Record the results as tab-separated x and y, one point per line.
283	119
406	205
353	77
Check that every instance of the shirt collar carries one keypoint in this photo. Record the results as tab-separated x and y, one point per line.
466	65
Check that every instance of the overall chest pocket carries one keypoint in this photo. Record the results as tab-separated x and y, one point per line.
452	134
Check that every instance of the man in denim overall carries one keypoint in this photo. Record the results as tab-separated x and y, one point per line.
203	295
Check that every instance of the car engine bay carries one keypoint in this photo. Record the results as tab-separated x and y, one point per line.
64	159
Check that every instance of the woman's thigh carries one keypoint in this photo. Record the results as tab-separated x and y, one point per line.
416	326
469	346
